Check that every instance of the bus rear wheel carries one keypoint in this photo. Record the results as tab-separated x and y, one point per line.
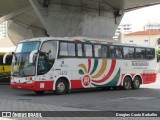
127	83
61	87
136	83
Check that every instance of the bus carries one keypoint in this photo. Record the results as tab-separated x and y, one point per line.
5	69
63	64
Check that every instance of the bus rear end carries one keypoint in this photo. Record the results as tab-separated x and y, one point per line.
5	69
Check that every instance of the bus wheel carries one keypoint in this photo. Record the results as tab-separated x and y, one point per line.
136	83
61	87
127	83
39	92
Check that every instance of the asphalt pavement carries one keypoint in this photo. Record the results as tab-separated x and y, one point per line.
144	99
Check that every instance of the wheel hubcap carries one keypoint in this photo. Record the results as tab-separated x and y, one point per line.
136	83
61	87
127	84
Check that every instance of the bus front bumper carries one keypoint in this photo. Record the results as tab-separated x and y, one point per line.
35	86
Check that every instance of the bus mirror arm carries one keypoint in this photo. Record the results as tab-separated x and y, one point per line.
5	56
31	55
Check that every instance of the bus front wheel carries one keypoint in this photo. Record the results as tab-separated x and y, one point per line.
127	83
136	83
61	87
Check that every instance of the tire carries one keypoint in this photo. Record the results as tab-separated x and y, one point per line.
136	83
61	87
127	83
39	92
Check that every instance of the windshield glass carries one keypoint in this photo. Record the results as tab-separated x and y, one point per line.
27	46
21	65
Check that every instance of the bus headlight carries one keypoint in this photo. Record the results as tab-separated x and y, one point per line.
29	78
29	82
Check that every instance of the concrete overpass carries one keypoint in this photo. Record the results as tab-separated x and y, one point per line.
66	18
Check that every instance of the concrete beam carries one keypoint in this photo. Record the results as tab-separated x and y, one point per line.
14	14
63	20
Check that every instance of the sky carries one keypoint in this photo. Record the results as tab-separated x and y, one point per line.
138	18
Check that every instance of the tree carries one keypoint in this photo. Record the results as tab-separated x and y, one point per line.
158	54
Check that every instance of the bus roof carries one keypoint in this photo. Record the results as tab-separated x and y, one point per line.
84	40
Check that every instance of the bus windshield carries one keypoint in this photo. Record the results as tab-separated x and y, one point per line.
21	65
27	47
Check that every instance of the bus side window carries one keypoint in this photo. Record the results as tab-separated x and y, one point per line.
104	51
140	53
150	53
88	50
63	49
9	60
126	52
97	50
131	53
118	52
79	50
71	49
111	51
67	49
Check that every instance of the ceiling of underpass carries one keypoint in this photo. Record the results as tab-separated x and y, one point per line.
104	4
29	19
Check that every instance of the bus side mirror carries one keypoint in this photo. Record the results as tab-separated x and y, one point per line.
5	56
32	55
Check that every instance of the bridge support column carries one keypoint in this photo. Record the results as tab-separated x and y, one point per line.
71	18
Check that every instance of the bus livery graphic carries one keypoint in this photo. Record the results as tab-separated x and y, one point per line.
89	78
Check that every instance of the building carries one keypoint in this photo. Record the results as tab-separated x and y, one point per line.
152	26
123	29
1	34
3	30
145	38
6	44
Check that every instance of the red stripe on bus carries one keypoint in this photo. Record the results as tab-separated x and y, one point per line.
132	75
109	73
77	41
36	86
148	78
76	84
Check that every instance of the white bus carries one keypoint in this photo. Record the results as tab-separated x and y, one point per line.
62	64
